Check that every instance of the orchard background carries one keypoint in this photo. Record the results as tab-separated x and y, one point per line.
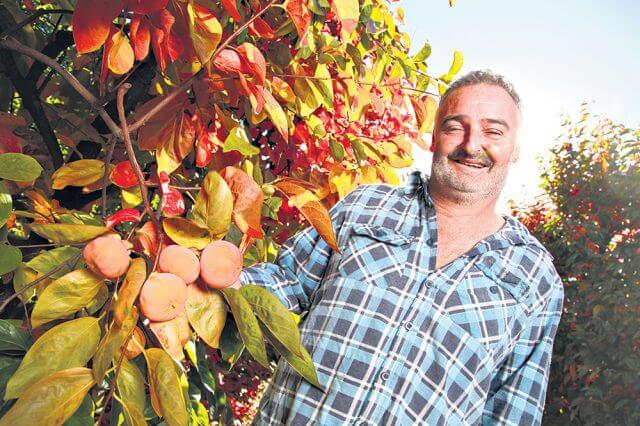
187	123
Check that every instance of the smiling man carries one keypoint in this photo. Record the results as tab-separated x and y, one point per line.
437	310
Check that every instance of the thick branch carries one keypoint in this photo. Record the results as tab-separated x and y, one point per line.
31	100
11	44
61	41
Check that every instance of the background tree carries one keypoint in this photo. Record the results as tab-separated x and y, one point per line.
214	128
589	219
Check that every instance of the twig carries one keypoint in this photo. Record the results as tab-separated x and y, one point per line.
105	177
184	86
126	136
61	266
37	14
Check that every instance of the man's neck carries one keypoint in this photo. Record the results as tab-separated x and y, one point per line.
479	214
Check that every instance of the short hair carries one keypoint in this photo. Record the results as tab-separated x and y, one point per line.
483	77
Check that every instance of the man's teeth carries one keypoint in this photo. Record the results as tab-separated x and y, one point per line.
477	166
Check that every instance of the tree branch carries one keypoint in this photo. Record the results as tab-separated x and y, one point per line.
34	17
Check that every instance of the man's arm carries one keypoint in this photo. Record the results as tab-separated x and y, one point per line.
299	267
519	388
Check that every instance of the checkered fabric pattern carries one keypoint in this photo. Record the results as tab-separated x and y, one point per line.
398	342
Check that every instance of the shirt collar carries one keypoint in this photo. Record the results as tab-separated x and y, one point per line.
512	232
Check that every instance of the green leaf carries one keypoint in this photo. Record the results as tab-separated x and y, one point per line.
65	296
303	363
337	150
455	67
165	388
6	204
206	312
231	345
423	54
247	324
70	344
22	276
13	338
48	260
62	233
84	414
51	400
10	258
131	389
274	315
324	82
214	205
237	140
110	345
19	167
8	367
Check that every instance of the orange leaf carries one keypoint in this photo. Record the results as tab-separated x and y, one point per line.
299	14
152	134
140	37
310	206
177	142
248	197
120	55
260	28
253	61
92	23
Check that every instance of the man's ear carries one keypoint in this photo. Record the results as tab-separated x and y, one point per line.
515	155
432	148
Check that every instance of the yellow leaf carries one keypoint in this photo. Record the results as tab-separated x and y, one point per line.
110	345
64	233
206	312
78	173
348	12
68	345
52	400
214	205
186	232
65	296
131	389
204	29
131	197
173	334
129	290
164	387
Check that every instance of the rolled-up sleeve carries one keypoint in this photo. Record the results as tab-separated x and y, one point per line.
518	389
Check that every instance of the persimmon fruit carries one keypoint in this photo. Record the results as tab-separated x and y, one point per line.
107	257
220	264
163	296
179	261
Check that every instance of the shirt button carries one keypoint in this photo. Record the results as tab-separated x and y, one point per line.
385	375
408	326
493	289
429	204
430	241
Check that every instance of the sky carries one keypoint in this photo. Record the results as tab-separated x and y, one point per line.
557	54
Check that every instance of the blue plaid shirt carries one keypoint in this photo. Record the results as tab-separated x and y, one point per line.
397	341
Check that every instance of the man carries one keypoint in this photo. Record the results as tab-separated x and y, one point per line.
438	310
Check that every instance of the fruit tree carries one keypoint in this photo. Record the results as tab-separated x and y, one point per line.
149	149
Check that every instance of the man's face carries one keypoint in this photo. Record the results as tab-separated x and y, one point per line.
474	142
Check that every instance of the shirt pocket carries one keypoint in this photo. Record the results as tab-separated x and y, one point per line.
375	255
491	309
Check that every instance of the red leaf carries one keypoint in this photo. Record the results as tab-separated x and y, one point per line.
298	12
260	28
9	142
161	24
123	175
124	215
228	61
247	206
173	203
163	179
140	37
231	8
145	7
253	61
92	23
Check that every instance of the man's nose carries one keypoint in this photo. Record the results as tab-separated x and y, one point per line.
472	142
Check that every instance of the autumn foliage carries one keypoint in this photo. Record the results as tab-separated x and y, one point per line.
149	150
589	220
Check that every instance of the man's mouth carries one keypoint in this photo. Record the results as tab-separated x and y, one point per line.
475	165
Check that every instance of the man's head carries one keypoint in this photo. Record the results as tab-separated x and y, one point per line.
475	138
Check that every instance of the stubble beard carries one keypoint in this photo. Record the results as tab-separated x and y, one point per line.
465	189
